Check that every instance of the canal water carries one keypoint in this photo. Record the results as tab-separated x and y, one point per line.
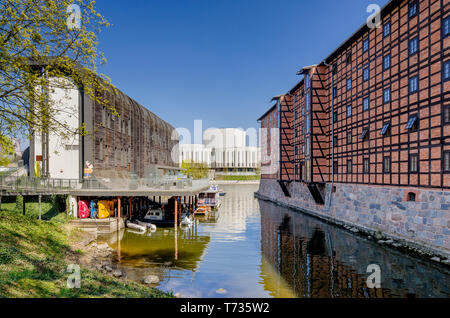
253	248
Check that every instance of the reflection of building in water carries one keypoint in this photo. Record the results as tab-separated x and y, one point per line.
236	207
318	260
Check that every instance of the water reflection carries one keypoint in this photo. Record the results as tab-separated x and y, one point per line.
254	248
315	259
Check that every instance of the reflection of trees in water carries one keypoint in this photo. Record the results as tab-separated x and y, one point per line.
316	259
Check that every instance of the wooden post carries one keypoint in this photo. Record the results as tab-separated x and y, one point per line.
176	212
118	212
23	204
159	200
0	203
40	210
130	210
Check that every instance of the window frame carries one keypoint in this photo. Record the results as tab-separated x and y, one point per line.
366	99
414	125
366	71
444	153
386	27
366	160
384	95
349	138
446	19
411	156
387	57
444	113
413	40
385	166
365	45
349	165
410	6
349	107
348	84
416	81
444	64
388	130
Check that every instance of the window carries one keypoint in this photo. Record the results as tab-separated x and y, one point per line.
412	9
295	150
387	164
295	132
303	111
335	141
365	45
365	134
385	131
335	117
414	163
334	69
366	165
349	84
386	62
366	74
349	110
446	71
446	161
446	114
366	103
413	84
295	99
335	167
412	123
349	166
387	95
386	29
446	26
349	137
306	81
348	59
411	197
295	114
334	92
413	46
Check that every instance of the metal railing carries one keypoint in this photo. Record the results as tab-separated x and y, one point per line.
30	184
51	185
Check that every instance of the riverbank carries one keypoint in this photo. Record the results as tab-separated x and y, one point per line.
378	213
34	257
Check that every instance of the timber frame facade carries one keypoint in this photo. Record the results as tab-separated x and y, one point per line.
377	110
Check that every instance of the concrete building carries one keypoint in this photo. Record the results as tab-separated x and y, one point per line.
365	135
136	142
224	150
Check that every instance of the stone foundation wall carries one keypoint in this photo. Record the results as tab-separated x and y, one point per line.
380	211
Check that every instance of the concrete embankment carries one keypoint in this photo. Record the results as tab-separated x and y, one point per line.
383	213
235	182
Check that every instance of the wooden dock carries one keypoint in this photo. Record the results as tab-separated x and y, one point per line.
102	226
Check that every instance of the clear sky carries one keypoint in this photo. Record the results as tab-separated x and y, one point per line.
219	60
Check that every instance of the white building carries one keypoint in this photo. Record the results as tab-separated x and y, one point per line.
223	150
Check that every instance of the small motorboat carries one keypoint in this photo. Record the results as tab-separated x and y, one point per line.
154	215
149	226
135	226
202	210
222	194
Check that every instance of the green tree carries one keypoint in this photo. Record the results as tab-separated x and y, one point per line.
195	170
6	150
42	44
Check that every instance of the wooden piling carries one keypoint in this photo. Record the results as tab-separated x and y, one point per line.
23	204
130	211
118	212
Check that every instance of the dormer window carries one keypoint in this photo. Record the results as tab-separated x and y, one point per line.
412	123
385	131
365	134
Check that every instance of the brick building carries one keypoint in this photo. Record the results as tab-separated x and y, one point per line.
375	112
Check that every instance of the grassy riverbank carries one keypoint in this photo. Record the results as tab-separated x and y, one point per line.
34	256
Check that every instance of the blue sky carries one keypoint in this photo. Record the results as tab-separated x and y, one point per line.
219	60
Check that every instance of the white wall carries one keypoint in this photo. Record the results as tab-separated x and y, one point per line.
63	150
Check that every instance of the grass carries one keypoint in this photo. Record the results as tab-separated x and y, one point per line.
237	177
34	258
